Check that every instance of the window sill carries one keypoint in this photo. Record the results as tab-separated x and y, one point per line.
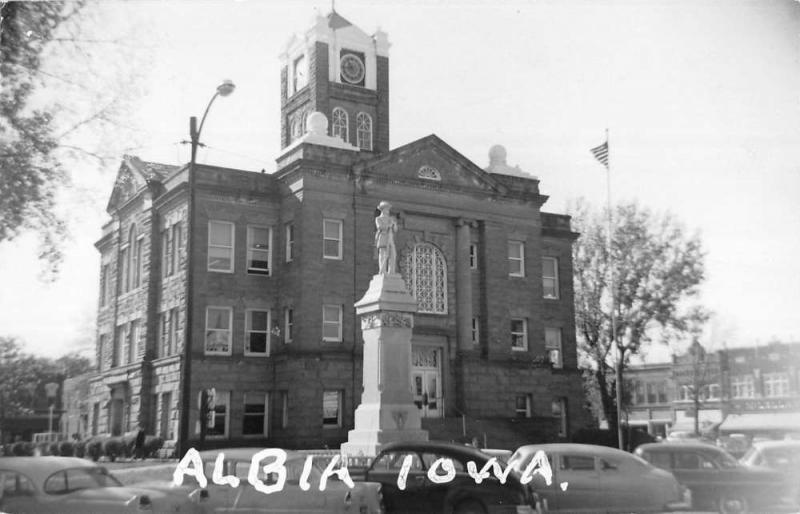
331	340
259	273
228	272
551	298
327	258
217	354
261	355
515	349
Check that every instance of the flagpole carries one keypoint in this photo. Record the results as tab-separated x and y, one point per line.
619	380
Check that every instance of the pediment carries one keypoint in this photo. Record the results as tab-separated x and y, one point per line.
133	175
430	162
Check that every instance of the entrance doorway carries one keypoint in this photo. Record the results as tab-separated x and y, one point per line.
426	380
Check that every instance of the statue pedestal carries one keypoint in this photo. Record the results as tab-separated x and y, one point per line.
387	412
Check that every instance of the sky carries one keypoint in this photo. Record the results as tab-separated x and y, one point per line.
701	99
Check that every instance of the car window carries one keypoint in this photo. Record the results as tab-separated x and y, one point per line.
607	464
691	460
66	481
782	458
659	459
14	484
429	458
577	462
393	461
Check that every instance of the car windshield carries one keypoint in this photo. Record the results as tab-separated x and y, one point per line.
726	460
69	480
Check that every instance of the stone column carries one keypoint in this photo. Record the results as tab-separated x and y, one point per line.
387	412
463	286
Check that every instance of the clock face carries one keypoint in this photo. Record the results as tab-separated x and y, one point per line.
352	68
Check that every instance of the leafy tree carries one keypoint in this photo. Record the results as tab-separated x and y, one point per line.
696	372
657	269
55	90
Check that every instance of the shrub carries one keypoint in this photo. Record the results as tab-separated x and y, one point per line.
80	448
54	449
114	447
152	444
22	449
66	449
94	447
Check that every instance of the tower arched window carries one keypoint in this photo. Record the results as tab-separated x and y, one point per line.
339	125
426	278
364	131
294	129
304	123
133	280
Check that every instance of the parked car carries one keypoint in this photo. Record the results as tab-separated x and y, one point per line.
70	485
782	456
735	444
591	478
364	498
718	481
461	495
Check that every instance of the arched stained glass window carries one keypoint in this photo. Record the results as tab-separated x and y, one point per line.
339	125
364	131
426	278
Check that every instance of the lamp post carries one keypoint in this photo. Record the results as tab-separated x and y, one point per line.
51	388
224	89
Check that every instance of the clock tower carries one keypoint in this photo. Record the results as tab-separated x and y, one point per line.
339	70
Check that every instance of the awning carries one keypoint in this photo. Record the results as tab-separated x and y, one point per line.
766	421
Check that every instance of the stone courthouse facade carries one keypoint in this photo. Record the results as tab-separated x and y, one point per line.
279	260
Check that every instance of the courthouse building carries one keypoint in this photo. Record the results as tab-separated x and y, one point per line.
278	260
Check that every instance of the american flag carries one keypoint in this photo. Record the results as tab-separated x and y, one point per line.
601	153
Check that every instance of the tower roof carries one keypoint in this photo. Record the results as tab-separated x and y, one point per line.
337	21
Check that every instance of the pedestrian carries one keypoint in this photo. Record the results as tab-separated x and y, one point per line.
138	445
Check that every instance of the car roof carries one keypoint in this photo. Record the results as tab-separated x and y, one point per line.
436	446
39	468
594	449
681	445
770	445
246	453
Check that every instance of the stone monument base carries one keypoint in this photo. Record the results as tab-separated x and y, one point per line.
382	423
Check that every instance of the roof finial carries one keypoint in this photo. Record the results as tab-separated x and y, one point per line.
333	5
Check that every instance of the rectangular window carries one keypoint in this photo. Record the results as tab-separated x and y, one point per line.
638	393
332	239
473	256
220	246
122	269
218	330
476	329
133	347
164	334
176	247
550	277
552	343
102	351
652	396
523	406
661	389
559	409
175	331
218	418
776	385
742	387
331	409
289	242
288	324
166	253
104	283
254	417
119	345
516	259
331	322
714	392
137	263
519	334
257	333
259	250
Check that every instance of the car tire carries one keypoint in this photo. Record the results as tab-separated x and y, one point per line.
469	507
732	504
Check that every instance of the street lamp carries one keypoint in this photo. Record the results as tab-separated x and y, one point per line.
226	88
51	388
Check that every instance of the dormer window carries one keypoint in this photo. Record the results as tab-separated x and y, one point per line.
339	125
299	73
